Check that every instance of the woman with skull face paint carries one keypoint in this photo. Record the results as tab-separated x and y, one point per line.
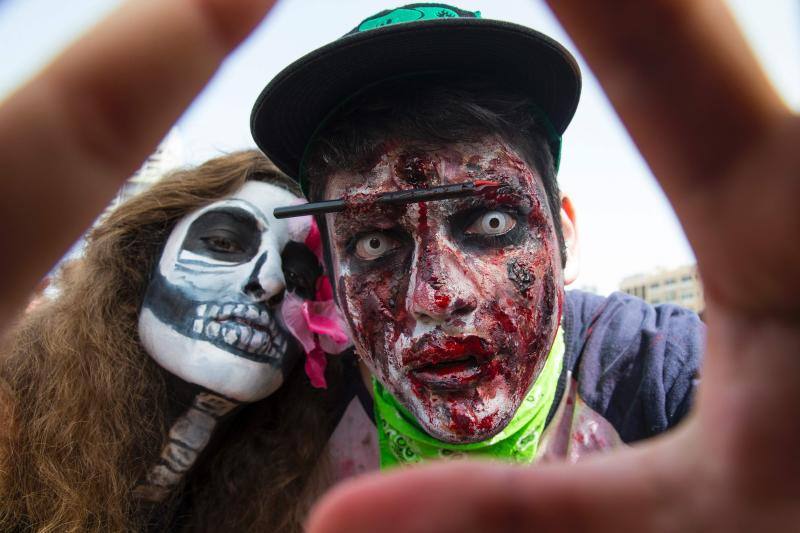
160	389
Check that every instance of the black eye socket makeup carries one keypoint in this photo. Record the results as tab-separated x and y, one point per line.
372	247
228	234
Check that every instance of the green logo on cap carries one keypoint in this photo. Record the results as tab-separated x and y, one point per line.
411	14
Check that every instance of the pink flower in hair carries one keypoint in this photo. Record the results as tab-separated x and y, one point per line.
317	324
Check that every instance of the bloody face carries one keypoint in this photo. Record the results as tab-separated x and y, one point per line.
453	305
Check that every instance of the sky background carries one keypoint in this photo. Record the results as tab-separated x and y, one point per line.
625	224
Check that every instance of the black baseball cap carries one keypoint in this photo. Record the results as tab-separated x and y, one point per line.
417	38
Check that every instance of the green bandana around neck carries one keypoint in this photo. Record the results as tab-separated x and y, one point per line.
401	440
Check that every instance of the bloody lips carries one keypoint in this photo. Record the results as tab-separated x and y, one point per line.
450	363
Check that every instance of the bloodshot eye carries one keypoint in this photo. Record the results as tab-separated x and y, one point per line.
492	223
374	245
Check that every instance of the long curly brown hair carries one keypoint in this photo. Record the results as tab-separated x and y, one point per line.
84	406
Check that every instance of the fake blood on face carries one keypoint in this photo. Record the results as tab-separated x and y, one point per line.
442	301
457	333
487	185
451	364
423	219
416	169
504	320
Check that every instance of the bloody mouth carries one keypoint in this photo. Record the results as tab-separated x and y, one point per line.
450	364
451	375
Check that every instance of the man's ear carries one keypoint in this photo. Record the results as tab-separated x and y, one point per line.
569	229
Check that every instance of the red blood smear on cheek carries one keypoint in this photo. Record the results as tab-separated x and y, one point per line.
400	318
382	314
493	369
389	291
504	320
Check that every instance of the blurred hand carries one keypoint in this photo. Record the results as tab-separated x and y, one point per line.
727	153
71	136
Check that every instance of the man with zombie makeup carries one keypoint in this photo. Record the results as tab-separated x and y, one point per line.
203	421
467	340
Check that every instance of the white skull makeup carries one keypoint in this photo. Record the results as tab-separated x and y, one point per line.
210	312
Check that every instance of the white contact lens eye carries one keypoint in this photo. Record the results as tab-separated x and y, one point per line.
374	245
492	223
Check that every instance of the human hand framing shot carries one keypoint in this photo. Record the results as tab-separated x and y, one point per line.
460	322
724	148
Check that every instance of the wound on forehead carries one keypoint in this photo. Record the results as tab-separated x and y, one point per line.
415	168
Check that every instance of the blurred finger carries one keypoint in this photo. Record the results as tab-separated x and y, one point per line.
614	494
675	70
71	136
707	120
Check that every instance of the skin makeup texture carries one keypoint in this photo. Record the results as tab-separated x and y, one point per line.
453	304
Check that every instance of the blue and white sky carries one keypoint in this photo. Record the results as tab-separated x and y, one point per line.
626	226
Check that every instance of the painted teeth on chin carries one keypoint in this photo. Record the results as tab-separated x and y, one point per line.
245	333
257	340
212	330
229	335
266	346
262	339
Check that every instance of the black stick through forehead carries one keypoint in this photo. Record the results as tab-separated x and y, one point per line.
410	196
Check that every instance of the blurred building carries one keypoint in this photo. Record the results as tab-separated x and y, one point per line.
680	286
